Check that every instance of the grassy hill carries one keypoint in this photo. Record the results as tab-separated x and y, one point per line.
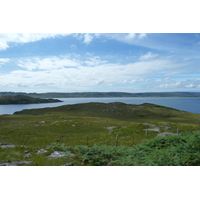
23	99
116	110
89	131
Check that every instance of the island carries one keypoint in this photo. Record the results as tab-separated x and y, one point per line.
23	99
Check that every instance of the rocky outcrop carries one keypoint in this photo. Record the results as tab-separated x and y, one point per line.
166	133
59	154
6	145
41	151
16	163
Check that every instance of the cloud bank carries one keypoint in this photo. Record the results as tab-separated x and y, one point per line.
68	72
6	39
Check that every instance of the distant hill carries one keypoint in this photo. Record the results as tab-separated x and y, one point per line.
22	99
103	94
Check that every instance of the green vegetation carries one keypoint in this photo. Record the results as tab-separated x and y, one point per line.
89	131
22	99
174	150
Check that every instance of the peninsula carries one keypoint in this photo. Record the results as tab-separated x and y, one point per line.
23	99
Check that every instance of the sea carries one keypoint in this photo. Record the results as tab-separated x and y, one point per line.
189	104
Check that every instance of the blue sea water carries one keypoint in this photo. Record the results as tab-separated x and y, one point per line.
190	104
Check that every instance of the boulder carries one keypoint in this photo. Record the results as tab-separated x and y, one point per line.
41	122
166	133
59	154
41	151
28	155
68	164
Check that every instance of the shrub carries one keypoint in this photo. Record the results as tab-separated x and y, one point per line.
173	150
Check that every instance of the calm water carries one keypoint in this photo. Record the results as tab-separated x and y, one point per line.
184	103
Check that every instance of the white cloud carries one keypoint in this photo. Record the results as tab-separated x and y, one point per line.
87	38
142	35
7	38
162	79
180	84
94	61
3	61
148	56
48	63
130	38
3	45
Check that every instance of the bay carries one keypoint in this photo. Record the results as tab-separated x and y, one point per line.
189	104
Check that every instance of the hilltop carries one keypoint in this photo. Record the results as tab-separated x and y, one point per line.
22	99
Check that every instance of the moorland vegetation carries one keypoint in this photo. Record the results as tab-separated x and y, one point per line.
102	134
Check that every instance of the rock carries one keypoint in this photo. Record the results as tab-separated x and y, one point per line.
167	128
153	129
28	155
42	122
16	163
110	128
147	124
166	133
41	151
6	145
68	164
59	154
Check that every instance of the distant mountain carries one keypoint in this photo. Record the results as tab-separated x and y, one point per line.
22	99
103	94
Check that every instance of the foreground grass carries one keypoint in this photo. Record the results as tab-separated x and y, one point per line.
90	129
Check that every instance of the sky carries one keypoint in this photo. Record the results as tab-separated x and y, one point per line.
104	62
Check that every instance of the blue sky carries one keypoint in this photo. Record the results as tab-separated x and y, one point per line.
75	62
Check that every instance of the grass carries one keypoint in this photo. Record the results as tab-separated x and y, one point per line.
86	125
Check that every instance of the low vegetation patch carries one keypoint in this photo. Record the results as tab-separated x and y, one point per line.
173	150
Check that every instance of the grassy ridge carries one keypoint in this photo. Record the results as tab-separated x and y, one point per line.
116	110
